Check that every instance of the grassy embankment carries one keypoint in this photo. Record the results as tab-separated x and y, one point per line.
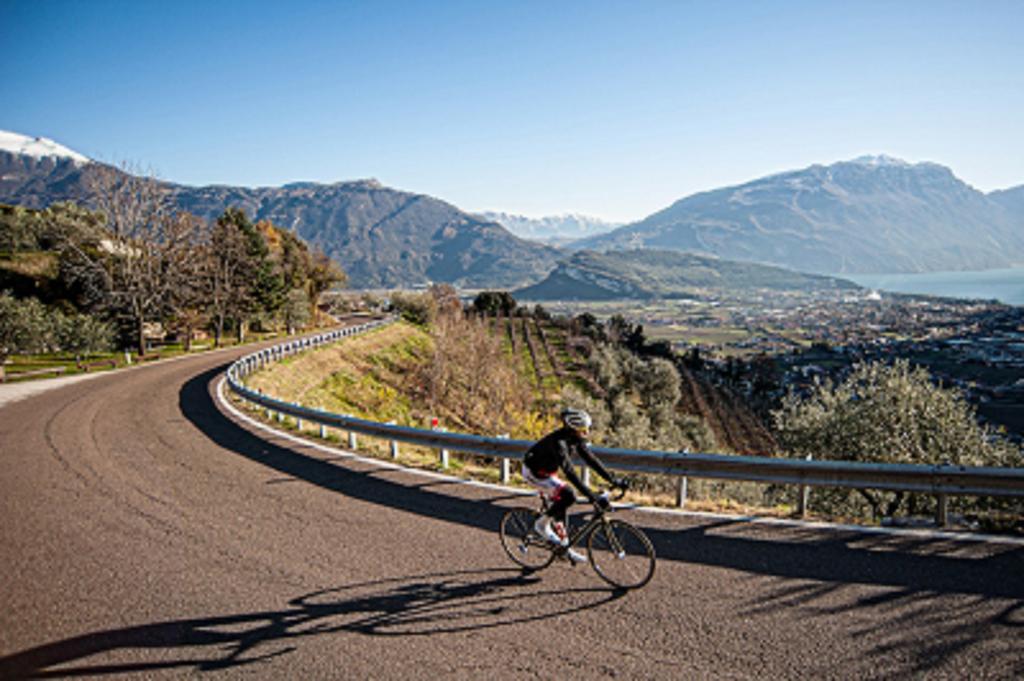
369	376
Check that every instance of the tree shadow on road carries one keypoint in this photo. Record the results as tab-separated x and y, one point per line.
915	630
849	557
418	605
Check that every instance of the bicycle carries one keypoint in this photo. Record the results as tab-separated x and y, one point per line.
620	553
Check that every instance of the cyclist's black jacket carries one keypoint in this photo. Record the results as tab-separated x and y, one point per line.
554	452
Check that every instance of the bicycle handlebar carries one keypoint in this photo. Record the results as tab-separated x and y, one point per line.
615	495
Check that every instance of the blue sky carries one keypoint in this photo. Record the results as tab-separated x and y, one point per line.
614	109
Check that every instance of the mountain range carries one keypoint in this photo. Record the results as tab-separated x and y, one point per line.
874	214
382	237
871	215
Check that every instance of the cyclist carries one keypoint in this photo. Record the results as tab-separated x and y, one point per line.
553	453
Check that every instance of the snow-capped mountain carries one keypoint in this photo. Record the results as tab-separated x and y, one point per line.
877	160
554	229
35	171
38	147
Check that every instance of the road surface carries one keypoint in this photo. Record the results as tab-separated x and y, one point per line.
146	532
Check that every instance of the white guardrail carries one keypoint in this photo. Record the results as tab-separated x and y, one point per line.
941	480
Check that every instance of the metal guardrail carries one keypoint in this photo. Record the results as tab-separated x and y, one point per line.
941	480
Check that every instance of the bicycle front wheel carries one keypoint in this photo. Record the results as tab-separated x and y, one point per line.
621	554
522	544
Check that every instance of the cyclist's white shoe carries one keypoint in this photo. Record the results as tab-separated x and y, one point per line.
545	528
575	556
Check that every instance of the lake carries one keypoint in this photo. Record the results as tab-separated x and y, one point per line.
1005	285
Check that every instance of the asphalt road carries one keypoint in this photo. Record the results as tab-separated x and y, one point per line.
145	532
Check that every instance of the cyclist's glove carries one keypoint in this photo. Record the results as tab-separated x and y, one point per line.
623	484
602	503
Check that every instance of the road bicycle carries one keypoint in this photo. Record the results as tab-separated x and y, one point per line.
619	552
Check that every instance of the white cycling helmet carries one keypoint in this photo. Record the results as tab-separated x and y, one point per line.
576	418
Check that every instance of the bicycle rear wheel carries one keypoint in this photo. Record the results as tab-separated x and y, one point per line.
522	544
621	554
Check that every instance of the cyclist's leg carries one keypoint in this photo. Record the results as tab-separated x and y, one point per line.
559	496
548	485
562	498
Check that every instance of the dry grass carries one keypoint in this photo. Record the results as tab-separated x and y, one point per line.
35	264
364	376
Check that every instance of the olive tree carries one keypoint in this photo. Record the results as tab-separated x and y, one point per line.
25	327
639	407
29	327
886	414
295	310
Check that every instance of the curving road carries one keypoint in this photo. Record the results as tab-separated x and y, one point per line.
148	533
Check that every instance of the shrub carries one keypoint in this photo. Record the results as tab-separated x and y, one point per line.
415	308
891	414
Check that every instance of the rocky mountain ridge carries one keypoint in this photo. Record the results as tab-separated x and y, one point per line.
874	214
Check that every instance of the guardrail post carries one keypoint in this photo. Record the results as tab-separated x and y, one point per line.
682	486
323	432
586	475
394	443
804	496
435	425
942	510
351	439
506	473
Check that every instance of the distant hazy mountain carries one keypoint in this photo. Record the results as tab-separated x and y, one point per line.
589	275
382	237
1012	199
555	229
873	214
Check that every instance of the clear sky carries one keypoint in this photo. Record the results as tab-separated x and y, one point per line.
614	109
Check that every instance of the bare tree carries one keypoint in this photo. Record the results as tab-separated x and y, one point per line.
133	271
187	305
226	261
469	374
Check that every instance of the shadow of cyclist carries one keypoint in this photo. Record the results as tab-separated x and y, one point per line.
418	605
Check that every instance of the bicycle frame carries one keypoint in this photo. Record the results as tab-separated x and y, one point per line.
597	518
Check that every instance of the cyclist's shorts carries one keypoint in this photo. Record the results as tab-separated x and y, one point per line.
551	486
